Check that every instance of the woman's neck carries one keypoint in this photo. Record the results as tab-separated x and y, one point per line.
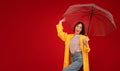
77	34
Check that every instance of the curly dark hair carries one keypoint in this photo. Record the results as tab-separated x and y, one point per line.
83	28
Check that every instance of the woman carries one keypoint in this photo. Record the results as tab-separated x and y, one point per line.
76	47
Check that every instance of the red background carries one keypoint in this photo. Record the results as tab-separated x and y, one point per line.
29	42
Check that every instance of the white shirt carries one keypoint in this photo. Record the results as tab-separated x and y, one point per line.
75	44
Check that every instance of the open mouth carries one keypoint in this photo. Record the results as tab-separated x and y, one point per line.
77	30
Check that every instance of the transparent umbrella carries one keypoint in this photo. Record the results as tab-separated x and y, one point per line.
97	21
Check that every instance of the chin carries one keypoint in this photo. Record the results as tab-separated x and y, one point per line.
78	33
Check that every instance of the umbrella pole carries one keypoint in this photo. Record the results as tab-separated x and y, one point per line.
90	20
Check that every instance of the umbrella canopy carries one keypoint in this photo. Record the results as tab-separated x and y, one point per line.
97	21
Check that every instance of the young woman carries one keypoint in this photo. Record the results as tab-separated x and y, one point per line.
76	47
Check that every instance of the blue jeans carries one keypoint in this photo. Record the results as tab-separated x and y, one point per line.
76	62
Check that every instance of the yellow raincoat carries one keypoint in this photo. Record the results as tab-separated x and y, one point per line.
66	38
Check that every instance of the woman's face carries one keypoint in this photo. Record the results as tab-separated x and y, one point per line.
78	29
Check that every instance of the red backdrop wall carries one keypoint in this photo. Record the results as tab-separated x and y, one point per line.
29	42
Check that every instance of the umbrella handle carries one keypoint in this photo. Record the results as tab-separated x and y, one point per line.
90	20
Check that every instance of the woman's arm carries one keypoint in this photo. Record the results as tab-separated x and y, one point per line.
86	44
62	35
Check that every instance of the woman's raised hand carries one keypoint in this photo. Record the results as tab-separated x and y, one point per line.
62	20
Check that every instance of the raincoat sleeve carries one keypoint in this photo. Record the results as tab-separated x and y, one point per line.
86	47
62	35
85	54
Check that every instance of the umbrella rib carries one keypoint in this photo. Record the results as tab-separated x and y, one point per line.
75	13
84	15
99	19
101	22
83	11
108	19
